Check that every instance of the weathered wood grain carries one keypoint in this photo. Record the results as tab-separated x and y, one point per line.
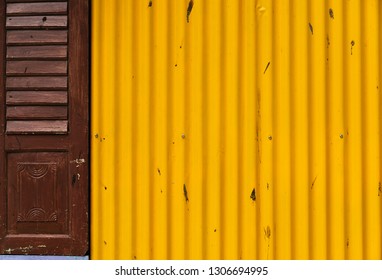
36	8
36	97
37	112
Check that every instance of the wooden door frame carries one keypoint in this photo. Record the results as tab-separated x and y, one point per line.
77	241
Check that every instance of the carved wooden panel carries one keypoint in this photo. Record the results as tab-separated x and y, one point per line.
37	192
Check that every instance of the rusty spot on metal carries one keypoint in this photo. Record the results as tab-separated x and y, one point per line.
331	13
267	186
266	68
380	189
215	230
352	43
314	181
189	9
185	192
150	3
253	195
311	28
159	171
267	232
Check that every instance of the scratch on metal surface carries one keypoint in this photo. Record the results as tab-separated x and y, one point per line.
185	192
311	28
261	9
189	9
266	68
314	181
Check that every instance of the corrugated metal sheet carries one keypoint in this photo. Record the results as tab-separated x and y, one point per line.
236	129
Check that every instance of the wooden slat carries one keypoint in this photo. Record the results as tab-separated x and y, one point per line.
32	1
37	37
36	8
36	82
38	127
37	112
42	52
37	21
36	67
36	97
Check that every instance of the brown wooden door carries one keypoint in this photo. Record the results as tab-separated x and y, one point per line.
44	127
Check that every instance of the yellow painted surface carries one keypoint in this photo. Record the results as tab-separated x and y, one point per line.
240	130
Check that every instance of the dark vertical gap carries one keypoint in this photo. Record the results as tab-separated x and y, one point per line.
255	127
152	113
99	175
89	159
205	122
186	121
291	146
273	135
134	127
222	143
380	106
169	118
328	130
241	119
292	118
258	72
346	132
309	100
363	129
117	121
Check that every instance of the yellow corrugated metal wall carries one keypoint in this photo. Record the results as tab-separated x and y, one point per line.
236	129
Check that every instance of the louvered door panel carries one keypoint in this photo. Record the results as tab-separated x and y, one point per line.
31	26
44	127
